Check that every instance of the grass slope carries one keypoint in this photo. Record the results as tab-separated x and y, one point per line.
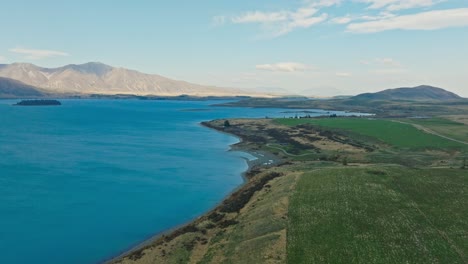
392	133
379	215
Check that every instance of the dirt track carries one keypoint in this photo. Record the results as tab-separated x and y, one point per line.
429	131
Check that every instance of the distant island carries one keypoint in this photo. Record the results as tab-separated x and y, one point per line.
38	102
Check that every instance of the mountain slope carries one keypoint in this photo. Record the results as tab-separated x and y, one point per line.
423	92
10	88
98	78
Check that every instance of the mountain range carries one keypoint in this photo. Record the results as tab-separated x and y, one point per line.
98	78
29	80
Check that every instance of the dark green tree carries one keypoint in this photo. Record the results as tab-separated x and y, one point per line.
227	124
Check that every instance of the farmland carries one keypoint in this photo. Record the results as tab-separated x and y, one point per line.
442	126
379	215
387	131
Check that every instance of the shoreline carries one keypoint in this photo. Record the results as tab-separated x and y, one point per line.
262	157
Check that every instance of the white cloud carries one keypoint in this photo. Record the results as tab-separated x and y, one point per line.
380	16
349	18
386	62
284	67
394	5
389	71
35	54
365	62
281	22
261	17
300	23
2	59
323	3
430	20
389	62
341	20
343	74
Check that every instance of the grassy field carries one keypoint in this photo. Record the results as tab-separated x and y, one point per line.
444	127
389	132
379	215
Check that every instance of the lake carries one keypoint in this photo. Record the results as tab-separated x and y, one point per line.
88	180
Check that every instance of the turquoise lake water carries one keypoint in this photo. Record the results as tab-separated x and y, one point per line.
88	180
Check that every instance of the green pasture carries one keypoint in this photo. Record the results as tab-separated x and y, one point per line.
379	215
455	130
387	131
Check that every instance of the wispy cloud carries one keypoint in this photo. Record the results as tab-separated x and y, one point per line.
395	5
379	16
284	67
263	17
343	74
365	62
389	71
382	62
341	20
430	20
389	62
362	17
323	3
281	22
35	54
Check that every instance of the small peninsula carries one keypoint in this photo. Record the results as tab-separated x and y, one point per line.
38	103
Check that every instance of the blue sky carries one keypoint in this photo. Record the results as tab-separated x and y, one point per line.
321	47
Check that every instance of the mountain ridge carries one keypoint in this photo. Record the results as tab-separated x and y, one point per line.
99	78
10	88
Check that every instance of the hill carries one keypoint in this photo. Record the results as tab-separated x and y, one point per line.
419	93
10	88
98	78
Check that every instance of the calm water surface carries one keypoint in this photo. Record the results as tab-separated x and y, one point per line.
85	181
